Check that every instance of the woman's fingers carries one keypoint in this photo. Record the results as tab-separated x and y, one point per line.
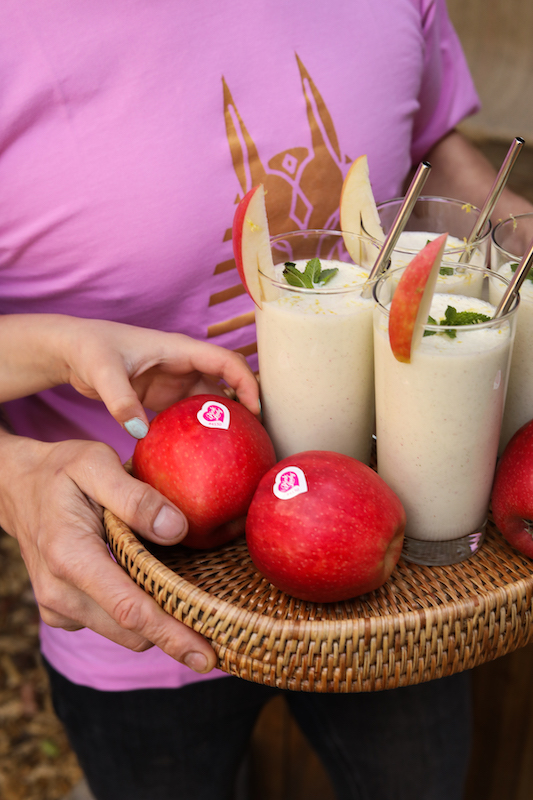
107	600
230	367
51	499
128	608
139	505
163	368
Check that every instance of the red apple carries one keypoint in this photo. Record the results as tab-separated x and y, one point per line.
324	527
512	493
412	299
251	242
207	454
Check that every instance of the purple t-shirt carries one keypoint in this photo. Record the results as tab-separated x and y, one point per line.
128	132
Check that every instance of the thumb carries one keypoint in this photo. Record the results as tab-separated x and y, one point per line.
138	504
148	512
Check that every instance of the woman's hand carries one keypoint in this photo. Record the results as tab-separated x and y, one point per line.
126	367
51	499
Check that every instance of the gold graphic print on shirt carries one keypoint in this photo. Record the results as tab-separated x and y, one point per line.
303	185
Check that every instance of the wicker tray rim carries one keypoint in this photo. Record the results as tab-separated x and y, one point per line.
470	608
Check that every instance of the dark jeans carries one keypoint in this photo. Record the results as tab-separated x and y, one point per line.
187	744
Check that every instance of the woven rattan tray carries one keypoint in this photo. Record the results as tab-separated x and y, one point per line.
424	623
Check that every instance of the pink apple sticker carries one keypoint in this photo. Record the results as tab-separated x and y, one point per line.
214	415
474	541
289	483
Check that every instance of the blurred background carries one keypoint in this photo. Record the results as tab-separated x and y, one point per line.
35	760
496	37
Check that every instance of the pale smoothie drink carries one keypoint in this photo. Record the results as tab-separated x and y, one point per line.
315	349
411	242
452	277
438	422
431	217
509	241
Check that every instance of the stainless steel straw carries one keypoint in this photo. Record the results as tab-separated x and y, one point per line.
411	196
493	196
515	283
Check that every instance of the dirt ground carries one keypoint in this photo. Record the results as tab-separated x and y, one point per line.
36	762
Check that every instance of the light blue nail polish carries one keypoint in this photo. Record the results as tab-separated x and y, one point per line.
136	428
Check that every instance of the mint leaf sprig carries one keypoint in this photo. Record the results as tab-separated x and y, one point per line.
312	276
529	276
454	317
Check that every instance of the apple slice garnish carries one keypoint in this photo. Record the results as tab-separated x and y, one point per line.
251	241
358	206
410	305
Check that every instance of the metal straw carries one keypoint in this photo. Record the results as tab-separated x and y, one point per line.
493	196
515	283
411	196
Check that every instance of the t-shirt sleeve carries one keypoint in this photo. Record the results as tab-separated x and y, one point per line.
447	92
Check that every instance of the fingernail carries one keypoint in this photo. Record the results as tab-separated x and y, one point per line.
136	427
169	523
196	662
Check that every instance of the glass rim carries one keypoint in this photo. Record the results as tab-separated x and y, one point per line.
441	328
324	290
499	225
318	231
438	199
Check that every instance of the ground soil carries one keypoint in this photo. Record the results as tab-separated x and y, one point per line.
36	762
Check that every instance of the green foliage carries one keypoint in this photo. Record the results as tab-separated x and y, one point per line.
529	276
312	276
455	318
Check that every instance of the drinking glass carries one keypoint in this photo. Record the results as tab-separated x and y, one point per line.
431	216
315	347
438	421
510	239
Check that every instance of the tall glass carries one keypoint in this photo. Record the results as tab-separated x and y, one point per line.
510	239
431	216
438	421
315	348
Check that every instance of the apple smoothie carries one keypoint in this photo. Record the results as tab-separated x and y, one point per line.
519	402
452	277
438	417
411	242
431	216
315	348
510	237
